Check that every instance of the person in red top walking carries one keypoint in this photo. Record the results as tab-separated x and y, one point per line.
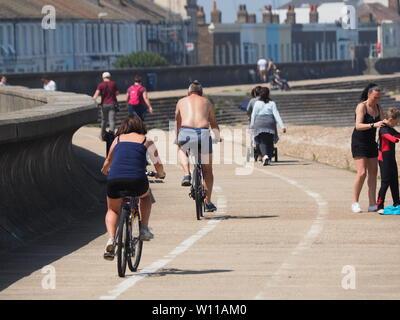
108	91
137	99
388	136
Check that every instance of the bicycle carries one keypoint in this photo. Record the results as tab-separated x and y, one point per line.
129	245
197	190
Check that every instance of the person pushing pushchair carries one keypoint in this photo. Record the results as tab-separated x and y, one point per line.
263	122
278	81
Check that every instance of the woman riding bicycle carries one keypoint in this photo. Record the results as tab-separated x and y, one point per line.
125	167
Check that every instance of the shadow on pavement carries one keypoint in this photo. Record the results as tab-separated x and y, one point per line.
164	272
238	217
23	261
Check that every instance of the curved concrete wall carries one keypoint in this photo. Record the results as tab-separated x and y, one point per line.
42	184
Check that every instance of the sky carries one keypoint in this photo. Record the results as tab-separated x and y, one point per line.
229	8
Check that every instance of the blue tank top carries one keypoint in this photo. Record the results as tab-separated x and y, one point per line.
129	160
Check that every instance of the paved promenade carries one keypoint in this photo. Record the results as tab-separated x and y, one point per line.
280	232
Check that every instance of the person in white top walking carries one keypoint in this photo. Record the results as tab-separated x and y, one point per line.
48	84
262	69
263	122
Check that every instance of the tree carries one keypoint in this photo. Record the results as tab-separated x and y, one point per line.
141	59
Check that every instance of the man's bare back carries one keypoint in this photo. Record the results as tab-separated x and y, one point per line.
194	111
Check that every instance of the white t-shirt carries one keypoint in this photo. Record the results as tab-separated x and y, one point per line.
262	64
51	85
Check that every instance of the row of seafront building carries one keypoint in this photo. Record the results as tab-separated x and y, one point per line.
84	45
88	34
315	39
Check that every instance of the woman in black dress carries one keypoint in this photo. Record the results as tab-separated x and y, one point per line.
369	116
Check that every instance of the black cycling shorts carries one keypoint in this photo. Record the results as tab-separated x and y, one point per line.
122	187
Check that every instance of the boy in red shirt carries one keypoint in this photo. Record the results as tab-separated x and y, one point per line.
388	136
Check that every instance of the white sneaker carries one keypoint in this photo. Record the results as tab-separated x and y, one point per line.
145	234
372	208
265	160
355	207
380	211
109	251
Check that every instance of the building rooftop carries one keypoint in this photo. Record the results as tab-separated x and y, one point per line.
378	11
330	11
86	9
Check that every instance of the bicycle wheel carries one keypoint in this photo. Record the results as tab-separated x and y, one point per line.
122	242
136	245
198	197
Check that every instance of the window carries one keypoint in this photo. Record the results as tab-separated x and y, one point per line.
216	55
89	38
288	52
238	54
10	35
2	42
108	38
102	42
246	53
115	38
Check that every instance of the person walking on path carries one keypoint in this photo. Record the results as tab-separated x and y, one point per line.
255	96
262	69
388	136
263	122
369	116
137	99
108	91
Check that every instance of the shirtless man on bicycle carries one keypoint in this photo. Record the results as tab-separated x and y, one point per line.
194	115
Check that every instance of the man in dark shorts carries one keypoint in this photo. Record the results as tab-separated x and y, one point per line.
108	91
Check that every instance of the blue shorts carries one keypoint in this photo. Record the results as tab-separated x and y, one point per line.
195	139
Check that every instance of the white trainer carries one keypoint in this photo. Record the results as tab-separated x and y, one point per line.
265	160
109	251
372	208
355	207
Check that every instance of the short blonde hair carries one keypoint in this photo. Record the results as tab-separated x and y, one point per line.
393	113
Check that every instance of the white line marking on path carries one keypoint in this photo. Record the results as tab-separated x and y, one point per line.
309	238
184	246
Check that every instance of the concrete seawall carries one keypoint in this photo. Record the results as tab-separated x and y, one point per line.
178	77
43	186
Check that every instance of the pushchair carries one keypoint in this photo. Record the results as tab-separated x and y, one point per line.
279	83
254	152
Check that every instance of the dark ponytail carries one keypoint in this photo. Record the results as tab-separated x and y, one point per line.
264	94
364	94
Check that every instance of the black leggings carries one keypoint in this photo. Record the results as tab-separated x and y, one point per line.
389	178
265	142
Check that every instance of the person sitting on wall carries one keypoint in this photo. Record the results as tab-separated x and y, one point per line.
3	81
48	84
